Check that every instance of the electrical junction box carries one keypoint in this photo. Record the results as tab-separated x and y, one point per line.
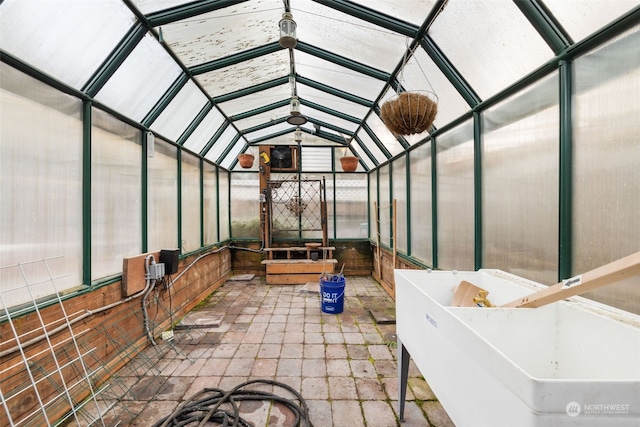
156	271
170	259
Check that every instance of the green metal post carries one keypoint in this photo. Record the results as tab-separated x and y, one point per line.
86	192
434	205
144	192
408	196
179	201
477	188
565	254
201	163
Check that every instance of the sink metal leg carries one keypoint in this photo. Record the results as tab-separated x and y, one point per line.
403	374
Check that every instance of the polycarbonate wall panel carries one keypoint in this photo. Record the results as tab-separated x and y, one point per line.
582	18
190	195
384	206
454	167
399	189
50	34
162	198
606	154
421	204
373	204
351	206
315	159
224	205
116	193
511	47
180	112
245	205
520	179
205	131
210	200
41	182
141	80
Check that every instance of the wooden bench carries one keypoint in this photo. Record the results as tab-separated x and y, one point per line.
291	271
327	250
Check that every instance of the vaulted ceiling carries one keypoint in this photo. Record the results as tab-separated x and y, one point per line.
211	75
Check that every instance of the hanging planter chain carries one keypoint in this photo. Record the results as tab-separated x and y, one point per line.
410	112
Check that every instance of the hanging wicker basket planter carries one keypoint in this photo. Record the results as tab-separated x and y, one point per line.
349	163
409	113
246	160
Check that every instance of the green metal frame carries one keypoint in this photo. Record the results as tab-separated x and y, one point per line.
145	192
234	59
565	231
194	123
179	198
188	10
86	192
477	190
165	100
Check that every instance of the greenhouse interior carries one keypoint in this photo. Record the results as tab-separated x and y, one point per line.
320	212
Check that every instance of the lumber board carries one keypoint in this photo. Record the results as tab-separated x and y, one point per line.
292	279
315	267
133	273
613	272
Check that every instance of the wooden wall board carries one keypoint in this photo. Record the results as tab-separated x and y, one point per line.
133	273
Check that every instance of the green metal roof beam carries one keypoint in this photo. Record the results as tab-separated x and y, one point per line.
332	127
545	24
270	136
342	61
259	110
264	125
168	96
115	59
450	72
333	91
234	59
213	139
188	10
372	16
251	90
194	124
331	111
365	149
375	139
226	151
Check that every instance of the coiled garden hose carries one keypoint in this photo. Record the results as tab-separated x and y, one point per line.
205	406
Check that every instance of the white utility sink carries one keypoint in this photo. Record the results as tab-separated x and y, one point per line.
571	363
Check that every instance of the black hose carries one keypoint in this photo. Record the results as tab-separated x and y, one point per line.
204	406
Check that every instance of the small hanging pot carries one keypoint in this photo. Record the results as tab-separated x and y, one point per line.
349	163
246	160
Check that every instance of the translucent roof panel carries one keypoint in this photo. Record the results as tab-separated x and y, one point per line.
148	6
414	12
205	130
581	18
224	32
336	76
41	35
141	80
256	100
330	119
371	146
180	112
353	38
331	101
276	128
421	73
227	137
232	154
387	139
245	74
266	117
493	44
357	150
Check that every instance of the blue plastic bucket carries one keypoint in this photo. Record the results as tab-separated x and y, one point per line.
332	294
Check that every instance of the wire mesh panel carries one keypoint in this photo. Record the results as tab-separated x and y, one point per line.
295	206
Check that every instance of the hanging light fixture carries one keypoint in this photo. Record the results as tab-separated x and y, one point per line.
296	118
297	135
287	31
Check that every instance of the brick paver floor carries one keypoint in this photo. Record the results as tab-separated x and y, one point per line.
344	365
